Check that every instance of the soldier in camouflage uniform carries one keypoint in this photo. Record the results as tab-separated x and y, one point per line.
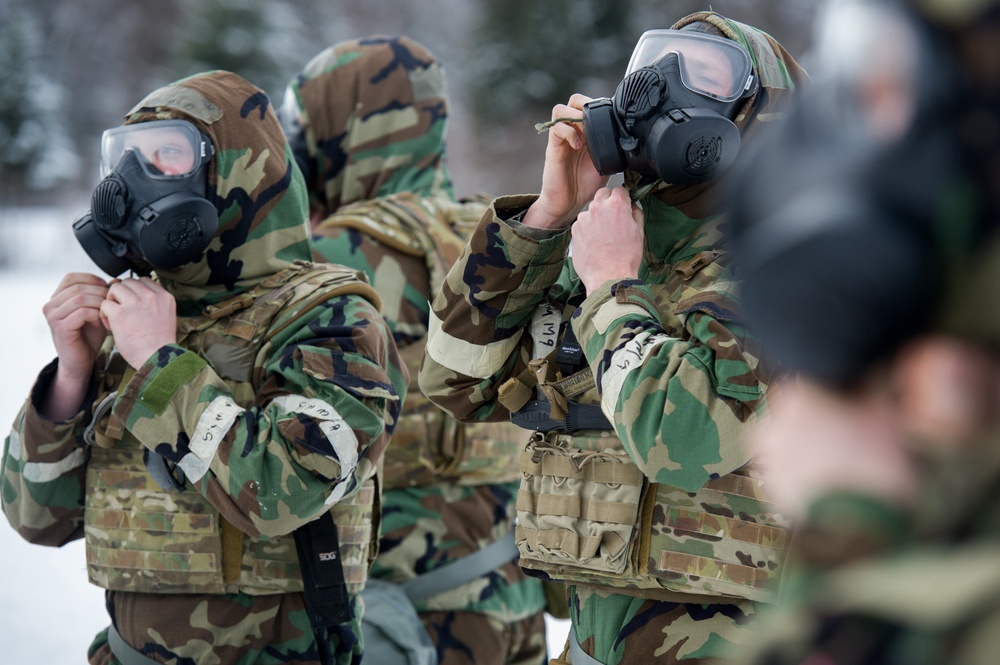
658	525
367	119
240	397
873	283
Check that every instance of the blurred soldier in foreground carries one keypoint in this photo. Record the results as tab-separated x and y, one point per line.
629	360
367	121
873	282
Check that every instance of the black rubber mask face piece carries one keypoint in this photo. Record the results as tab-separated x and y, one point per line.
142	221
661	125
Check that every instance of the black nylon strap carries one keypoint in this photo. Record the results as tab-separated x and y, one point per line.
322	572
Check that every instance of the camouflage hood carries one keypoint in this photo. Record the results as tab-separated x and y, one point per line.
778	75
374	113
263	210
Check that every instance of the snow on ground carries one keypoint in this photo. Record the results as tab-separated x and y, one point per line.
48	611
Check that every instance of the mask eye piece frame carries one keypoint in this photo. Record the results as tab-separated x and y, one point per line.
730	60
166	149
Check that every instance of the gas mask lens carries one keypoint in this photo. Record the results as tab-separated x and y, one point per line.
712	66
165	148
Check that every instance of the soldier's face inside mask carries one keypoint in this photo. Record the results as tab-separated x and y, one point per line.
706	69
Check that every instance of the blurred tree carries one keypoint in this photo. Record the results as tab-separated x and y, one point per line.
35	151
71	69
252	38
530	54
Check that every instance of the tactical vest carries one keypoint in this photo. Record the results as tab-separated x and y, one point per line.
142	537
429	446
588	515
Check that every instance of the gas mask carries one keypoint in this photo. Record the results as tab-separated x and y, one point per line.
671	117
149	211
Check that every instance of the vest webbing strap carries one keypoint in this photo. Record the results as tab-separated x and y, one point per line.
124	651
462	570
593	510
609	473
232	550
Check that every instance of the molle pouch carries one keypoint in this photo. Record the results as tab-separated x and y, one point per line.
587	515
578	507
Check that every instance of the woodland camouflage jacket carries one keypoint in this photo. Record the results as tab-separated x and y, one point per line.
674	367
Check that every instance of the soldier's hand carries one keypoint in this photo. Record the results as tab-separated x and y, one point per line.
73	315
608	239
142	316
569	178
74	318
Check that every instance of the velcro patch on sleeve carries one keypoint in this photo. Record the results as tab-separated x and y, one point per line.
161	390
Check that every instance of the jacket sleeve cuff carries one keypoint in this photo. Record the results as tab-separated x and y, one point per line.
540	246
51	441
611	302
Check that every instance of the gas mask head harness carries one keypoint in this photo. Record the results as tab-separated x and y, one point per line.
671	116
150	209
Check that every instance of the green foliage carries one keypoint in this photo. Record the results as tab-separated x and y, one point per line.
16	51
248	37
34	149
535	54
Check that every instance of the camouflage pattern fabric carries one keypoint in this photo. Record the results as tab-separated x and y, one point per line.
663	632
328	389
877	583
467	638
374	115
438	505
182	547
692	390
405	245
271	630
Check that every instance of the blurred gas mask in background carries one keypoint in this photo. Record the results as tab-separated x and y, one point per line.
149	211
843	219
672	116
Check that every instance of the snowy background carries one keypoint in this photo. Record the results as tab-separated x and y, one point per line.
48	611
